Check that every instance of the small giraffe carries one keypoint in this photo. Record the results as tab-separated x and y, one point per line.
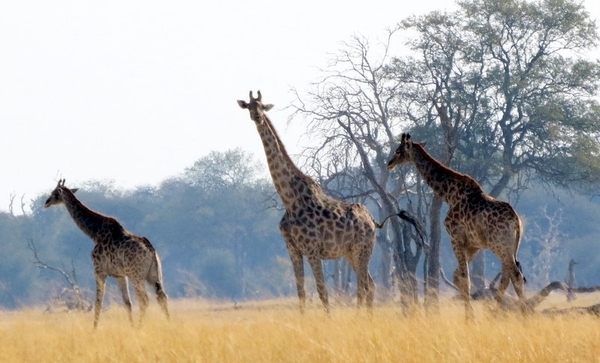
118	253
315	225
475	220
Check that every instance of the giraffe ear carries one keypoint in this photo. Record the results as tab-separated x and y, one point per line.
74	190
242	104
268	107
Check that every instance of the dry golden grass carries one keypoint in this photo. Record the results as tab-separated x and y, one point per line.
276	332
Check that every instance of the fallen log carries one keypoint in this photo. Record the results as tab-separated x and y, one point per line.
511	303
581	310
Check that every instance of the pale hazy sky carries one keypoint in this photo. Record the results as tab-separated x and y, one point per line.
136	91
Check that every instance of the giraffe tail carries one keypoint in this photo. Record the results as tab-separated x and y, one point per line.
156	279
520	269
155	273
406	216
518	242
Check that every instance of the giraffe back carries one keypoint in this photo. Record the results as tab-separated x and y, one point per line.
485	221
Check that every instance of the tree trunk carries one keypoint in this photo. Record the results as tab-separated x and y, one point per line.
478	271
571	280
385	268
337	276
411	261
432	280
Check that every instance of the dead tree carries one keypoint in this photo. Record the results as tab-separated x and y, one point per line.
579	310
509	302
351	121
571	280
10	204
571	291
70	297
593	309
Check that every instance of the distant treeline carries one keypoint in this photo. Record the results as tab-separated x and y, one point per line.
215	227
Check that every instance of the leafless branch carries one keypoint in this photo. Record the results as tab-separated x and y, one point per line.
44	266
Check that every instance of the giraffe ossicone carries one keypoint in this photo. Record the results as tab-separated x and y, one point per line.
475	220
117	253
315	225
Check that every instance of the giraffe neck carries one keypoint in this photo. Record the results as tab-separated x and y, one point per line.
284	172
448	184
93	224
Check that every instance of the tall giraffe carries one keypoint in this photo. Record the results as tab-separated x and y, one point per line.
118	253
475	220
315	225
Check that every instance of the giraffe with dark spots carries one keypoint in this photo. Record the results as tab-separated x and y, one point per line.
475	220
117	253
315	225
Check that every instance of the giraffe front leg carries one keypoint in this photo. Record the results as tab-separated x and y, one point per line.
462	280
298	265
100	286
463	283
142	295
317	268
122	281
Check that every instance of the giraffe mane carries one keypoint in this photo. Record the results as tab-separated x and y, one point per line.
455	174
285	153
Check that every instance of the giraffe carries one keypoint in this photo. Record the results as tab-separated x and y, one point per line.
117	253
475	220
315	225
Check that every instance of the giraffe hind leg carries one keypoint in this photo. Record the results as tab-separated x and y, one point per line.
161	297
365	289
370	291
518	281
521	270
122	282
504	281
142	295
154	279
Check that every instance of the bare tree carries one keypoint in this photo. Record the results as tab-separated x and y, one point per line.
23	204
513	74
352	126
71	296
11	203
544	241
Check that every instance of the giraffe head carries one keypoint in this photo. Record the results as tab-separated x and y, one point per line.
403	153
256	107
58	194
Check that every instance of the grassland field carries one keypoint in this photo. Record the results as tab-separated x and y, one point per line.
275	331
